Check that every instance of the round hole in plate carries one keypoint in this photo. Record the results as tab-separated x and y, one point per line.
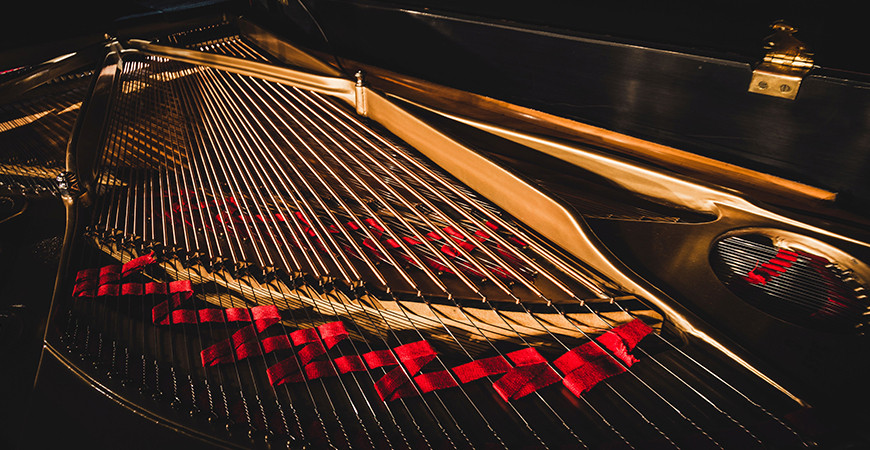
792	281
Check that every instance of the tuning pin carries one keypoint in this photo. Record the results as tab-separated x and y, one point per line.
282	441
212	419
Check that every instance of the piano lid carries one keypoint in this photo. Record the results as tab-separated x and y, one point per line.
679	77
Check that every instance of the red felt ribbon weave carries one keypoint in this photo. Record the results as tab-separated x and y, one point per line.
396	383
774	267
523	372
92	282
528	373
589	364
317	341
245	342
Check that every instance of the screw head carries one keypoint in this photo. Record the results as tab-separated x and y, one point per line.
784	88
762	85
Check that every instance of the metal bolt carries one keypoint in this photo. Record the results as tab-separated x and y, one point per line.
762	84
785	88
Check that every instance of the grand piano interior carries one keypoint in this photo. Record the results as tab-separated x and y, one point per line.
367	224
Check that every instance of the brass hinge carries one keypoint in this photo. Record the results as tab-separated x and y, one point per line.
784	66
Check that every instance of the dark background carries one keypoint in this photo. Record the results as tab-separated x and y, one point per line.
835	31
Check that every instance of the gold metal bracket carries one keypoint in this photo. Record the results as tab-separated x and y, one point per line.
784	66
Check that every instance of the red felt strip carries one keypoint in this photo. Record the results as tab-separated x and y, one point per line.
453	232
244	342
495	227
411	240
379	358
369	244
449	251
248	349
307	227
210	315
524	380
585	366
787	255
589	364
581	381
755	278
215	354
164	313
310	352
304	336
115	272
632	332
265	316
237	314
319	340
222	352
183	316
332	333
108	290
530	374
391	243
774	267
480	368
414	355
286	371
349	363
85	288
137	264
614	343
526	356
317	369
109	277
136	289
781	262
161	311
378	229
90	282
395	384
429	382
87	274
275	343
178	290
316	341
